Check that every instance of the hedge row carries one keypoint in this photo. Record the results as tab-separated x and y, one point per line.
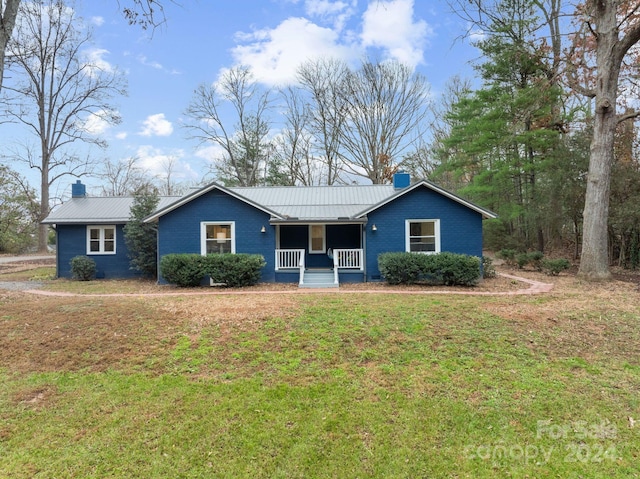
534	259
443	268
231	270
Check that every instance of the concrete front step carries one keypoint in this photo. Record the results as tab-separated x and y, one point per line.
318	279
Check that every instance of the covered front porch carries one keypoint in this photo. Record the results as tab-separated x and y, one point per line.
320	254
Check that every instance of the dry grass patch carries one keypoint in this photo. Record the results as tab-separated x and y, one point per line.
578	318
39	334
228	313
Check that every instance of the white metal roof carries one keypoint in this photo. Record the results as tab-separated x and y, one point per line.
98	209
283	203
317	202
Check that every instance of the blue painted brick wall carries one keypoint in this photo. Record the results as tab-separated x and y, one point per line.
179	230
72	241
460	227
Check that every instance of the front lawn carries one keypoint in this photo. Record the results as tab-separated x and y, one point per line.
322	385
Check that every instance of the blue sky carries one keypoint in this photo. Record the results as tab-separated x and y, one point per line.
201	38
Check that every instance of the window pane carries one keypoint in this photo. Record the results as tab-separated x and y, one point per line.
215	247
94	246
317	238
109	245
414	229
428	228
109	233
422	245
218	239
94	234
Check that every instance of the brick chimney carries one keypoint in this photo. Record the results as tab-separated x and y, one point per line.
78	190
401	180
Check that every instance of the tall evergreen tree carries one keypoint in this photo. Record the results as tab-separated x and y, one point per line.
504	135
141	237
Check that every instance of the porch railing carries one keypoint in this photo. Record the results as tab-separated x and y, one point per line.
348	259
290	259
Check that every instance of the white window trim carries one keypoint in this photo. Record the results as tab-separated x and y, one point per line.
324	240
203	234
101	228
407	234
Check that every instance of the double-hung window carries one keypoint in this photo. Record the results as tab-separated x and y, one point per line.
101	240
422	236
218	237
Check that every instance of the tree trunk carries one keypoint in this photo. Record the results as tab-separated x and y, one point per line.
594	263
43	230
7	22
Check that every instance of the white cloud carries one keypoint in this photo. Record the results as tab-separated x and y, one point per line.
97	21
98	122
94	59
387	26
336	12
155	161
390	25
150	63
475	35
122	135
143	60
275	54
211	153
156	125
158	163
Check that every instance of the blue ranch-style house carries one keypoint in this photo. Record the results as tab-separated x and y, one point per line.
311	235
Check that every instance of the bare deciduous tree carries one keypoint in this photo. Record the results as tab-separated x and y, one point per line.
294	147
323	79
55	91
122	177
430	154
245	147
145	13
385	107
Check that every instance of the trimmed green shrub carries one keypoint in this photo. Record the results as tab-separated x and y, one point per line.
234	270
399	268
553	267
83	268
183	270
508	255
231	270
488	270
443	268
457	269
533	258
